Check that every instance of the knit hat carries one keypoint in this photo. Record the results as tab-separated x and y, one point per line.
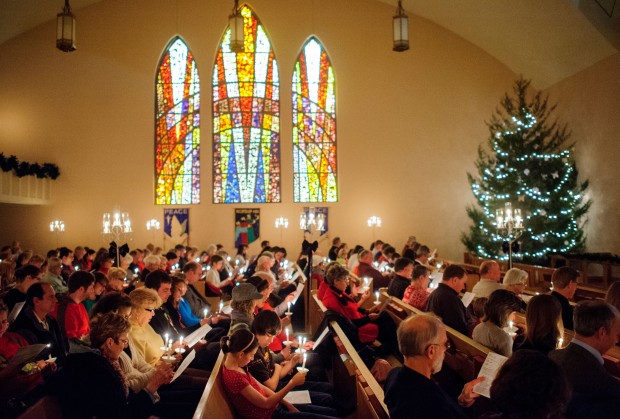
245	292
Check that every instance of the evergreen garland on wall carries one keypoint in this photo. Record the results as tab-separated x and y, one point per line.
21	169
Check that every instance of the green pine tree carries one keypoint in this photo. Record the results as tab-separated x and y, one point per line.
531	167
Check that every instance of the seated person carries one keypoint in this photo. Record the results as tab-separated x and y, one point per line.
498	310
564	283
541	385
71	313
595	392
213	274
249	398
543	320
409	390
490	275
37	325
15	382
417	294
371	324
52	276
24	278
515	281
101	282
444	301
403	270
245	299
275	375
92	384
365	268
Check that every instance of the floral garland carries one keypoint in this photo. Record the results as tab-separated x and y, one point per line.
21	169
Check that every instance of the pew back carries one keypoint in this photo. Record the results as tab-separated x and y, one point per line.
214	403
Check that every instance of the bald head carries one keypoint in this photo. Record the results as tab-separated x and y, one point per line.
489	269
416	332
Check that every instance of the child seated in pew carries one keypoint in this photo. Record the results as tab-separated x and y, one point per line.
265	327
249	398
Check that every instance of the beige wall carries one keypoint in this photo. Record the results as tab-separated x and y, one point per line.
408	124
589	101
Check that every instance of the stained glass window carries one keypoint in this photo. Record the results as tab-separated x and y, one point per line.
177	127
314	126
246	118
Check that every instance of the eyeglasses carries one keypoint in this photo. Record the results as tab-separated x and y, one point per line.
4	321
150	310
125	342
446	344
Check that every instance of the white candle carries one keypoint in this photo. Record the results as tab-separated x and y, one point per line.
289	307
560	342
221	306
286	330
377	296
303	366
510	324
166	339
205	312
181	341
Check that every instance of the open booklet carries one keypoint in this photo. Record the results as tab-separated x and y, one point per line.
188	360
197	334
491	366
297	292
17	308
26	354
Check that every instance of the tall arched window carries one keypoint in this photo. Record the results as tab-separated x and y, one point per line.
246	118
314	126
177	127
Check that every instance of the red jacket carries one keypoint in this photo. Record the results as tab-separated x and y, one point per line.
333	301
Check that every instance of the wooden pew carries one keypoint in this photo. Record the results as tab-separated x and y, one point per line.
351	376
214	403
46	408
465	357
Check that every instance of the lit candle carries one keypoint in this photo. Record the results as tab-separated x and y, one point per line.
289	307
221	306
166	339
205	312
510	324
135	270
560	342
377	296
181	341
286	330
303	366
77	268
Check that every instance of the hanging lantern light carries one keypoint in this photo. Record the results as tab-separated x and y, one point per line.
400	24
65	29
235	22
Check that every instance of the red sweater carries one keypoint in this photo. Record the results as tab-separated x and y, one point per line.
333	301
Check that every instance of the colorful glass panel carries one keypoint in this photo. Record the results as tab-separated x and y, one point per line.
177	127
246	118
314	126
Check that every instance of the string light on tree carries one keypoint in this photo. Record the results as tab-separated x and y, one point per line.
529	163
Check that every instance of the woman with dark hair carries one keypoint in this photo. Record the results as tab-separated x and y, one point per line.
543	320
92	384
370	324
497	312
275	375
112	303
101	283
530	386
249	398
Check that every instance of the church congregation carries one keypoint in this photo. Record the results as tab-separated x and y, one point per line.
130	338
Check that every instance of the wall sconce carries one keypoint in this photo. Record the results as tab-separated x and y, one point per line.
400	25
235	22
65	29
281	223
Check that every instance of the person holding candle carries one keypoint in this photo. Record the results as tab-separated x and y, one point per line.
275	375
417	294
544	328
249	398
498	311
245	298
371	324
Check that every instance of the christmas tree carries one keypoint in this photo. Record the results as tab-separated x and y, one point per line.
531	167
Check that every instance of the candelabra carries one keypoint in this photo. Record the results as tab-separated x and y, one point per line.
116	225
509	226
57	226
281	224
310	219
374	222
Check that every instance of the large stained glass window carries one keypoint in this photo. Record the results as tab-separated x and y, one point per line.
246	118
177	127
314	126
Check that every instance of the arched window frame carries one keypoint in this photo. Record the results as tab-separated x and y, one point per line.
177	127
246	129
315	168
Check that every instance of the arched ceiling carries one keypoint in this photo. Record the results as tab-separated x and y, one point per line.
545	41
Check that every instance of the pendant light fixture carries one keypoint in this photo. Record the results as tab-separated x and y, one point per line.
65	29
400	24
235	22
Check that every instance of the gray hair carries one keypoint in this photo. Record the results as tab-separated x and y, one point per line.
416	332
590	315
152	260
